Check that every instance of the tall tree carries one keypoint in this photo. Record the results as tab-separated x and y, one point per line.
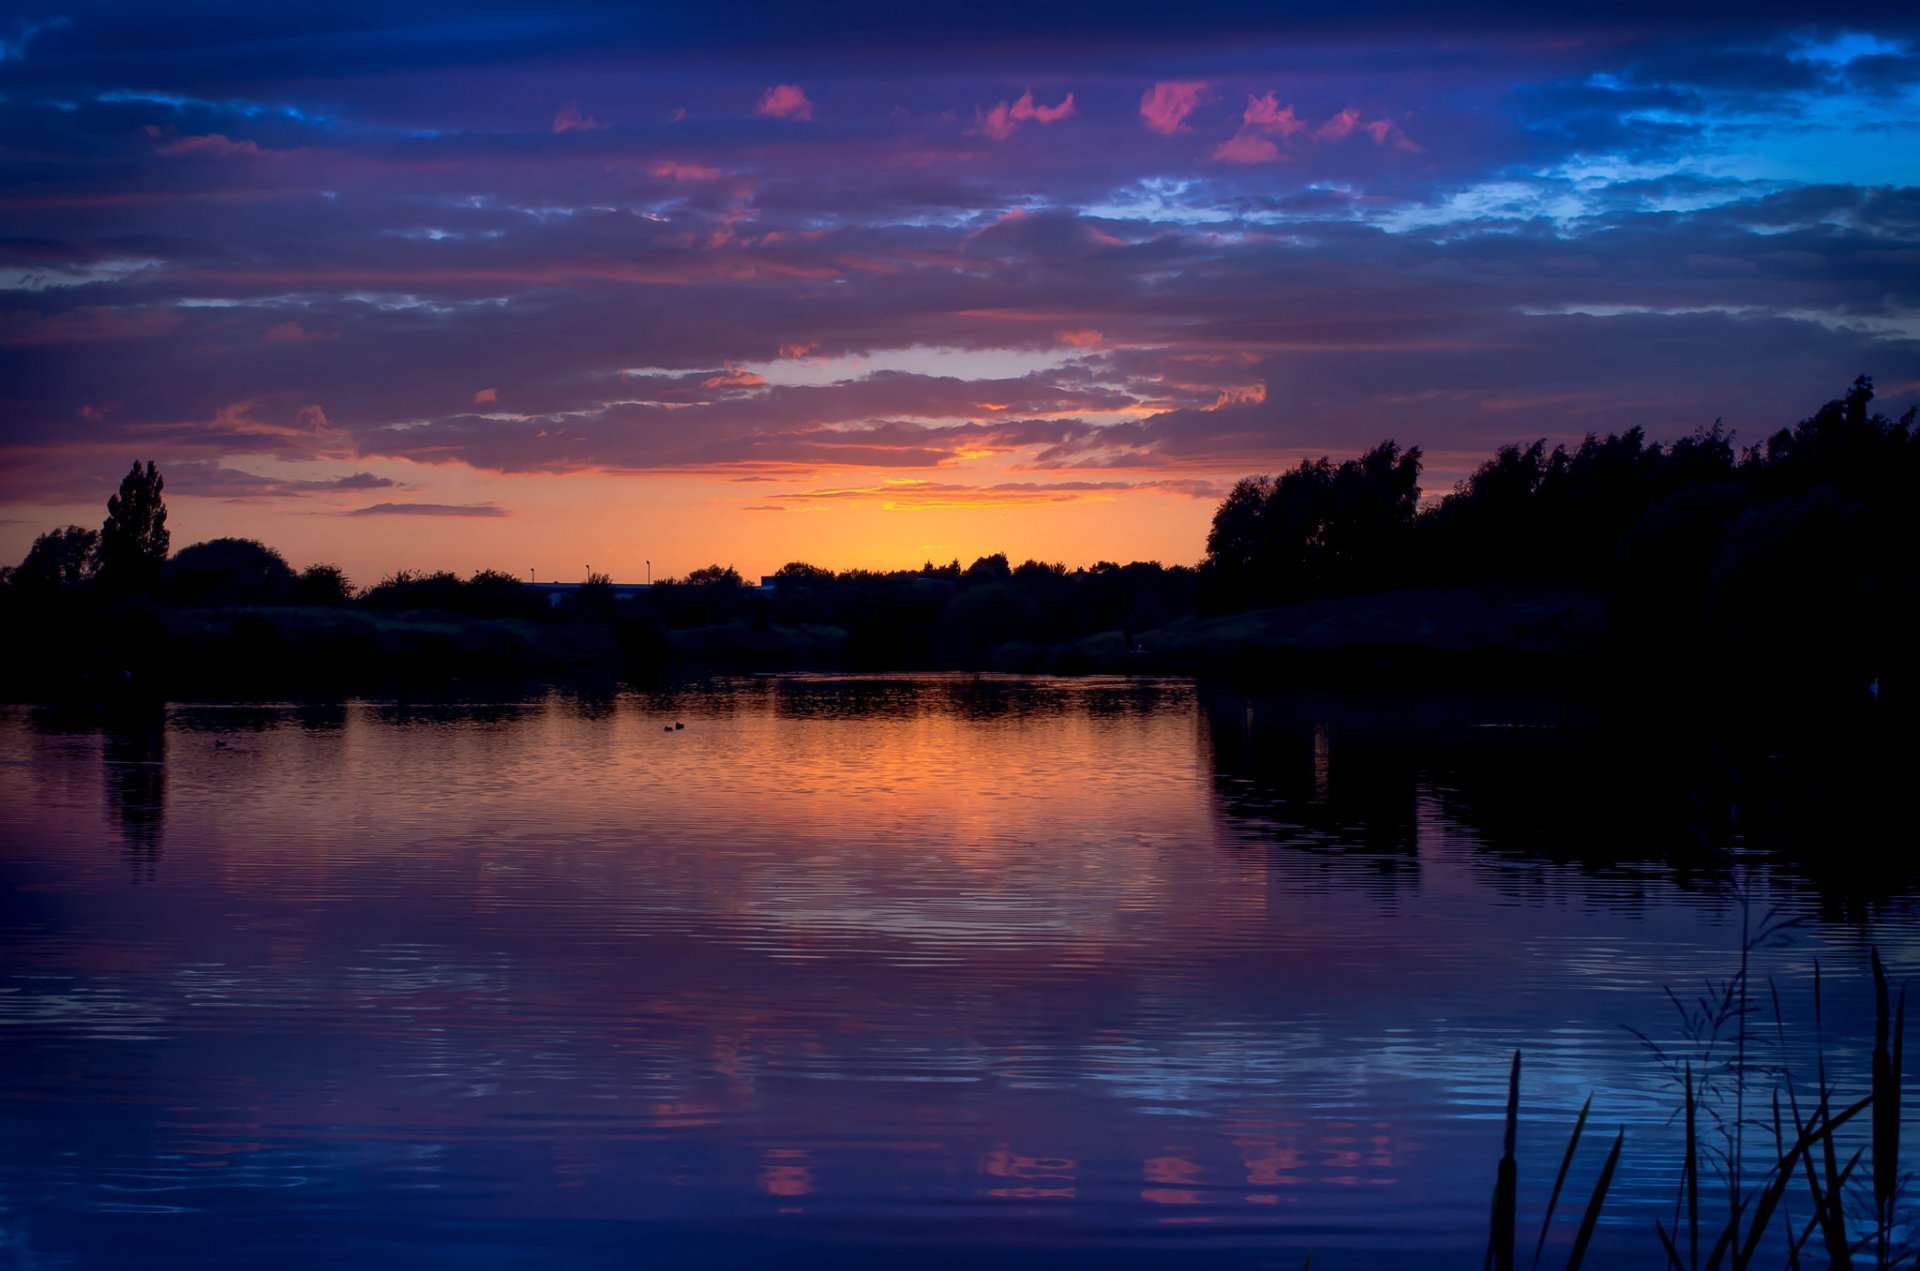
134	540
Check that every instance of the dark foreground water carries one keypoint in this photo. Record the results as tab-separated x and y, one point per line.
848	973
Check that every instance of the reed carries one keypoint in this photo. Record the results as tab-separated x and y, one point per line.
1506	1182
1560	1179
1505	1215
1886	1109
1808	1145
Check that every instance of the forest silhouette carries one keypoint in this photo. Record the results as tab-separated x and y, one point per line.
1679	565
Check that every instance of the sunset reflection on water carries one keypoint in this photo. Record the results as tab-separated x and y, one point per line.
1039	966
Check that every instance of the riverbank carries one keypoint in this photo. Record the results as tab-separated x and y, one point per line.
1488	636
1442	628
215	652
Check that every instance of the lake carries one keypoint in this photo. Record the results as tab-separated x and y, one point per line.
860	972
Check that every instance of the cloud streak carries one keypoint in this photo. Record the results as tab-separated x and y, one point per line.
1196	262
1000	122
429	509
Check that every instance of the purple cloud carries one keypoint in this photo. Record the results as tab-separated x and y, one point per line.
1179	268
429	509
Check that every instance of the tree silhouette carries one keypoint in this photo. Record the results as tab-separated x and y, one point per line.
1317	528
799	573
988	569
60	558
715	576
134	540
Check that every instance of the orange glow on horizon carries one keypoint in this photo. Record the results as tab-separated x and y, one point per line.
755	517
556	526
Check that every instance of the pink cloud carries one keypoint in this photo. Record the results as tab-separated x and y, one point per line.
785	101
733	379
1263	119
1166	105
1081	338
486	395
1340	127
1000	122
1248	147
1269	115
1025	109
678	171
569	119
1384	131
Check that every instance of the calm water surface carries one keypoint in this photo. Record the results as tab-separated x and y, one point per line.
846	972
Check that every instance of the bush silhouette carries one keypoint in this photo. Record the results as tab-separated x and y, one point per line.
323	585
59	558
228	571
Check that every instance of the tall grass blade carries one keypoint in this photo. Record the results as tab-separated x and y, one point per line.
1779	1135
1819	1127
1506	1182
1690	1178
1893	1117
1725	1241
1592	1216
1839	1258
1833	1233
1559	1180
1824	1219
1883	1165
1776	1186
1666	1242
1819	1032
1887	1040
1779	1150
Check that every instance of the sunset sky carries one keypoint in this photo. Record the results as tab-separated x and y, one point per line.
543	287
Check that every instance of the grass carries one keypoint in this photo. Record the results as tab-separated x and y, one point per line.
1500	1240
1856	1225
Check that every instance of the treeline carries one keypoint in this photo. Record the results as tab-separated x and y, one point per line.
989	615
231	616
1790	557
1587	515
1793	554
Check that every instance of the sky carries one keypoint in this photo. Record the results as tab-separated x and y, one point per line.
553	287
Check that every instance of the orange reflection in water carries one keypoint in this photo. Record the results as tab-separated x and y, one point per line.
1173	1169
787	1172
1037	1172
948	943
